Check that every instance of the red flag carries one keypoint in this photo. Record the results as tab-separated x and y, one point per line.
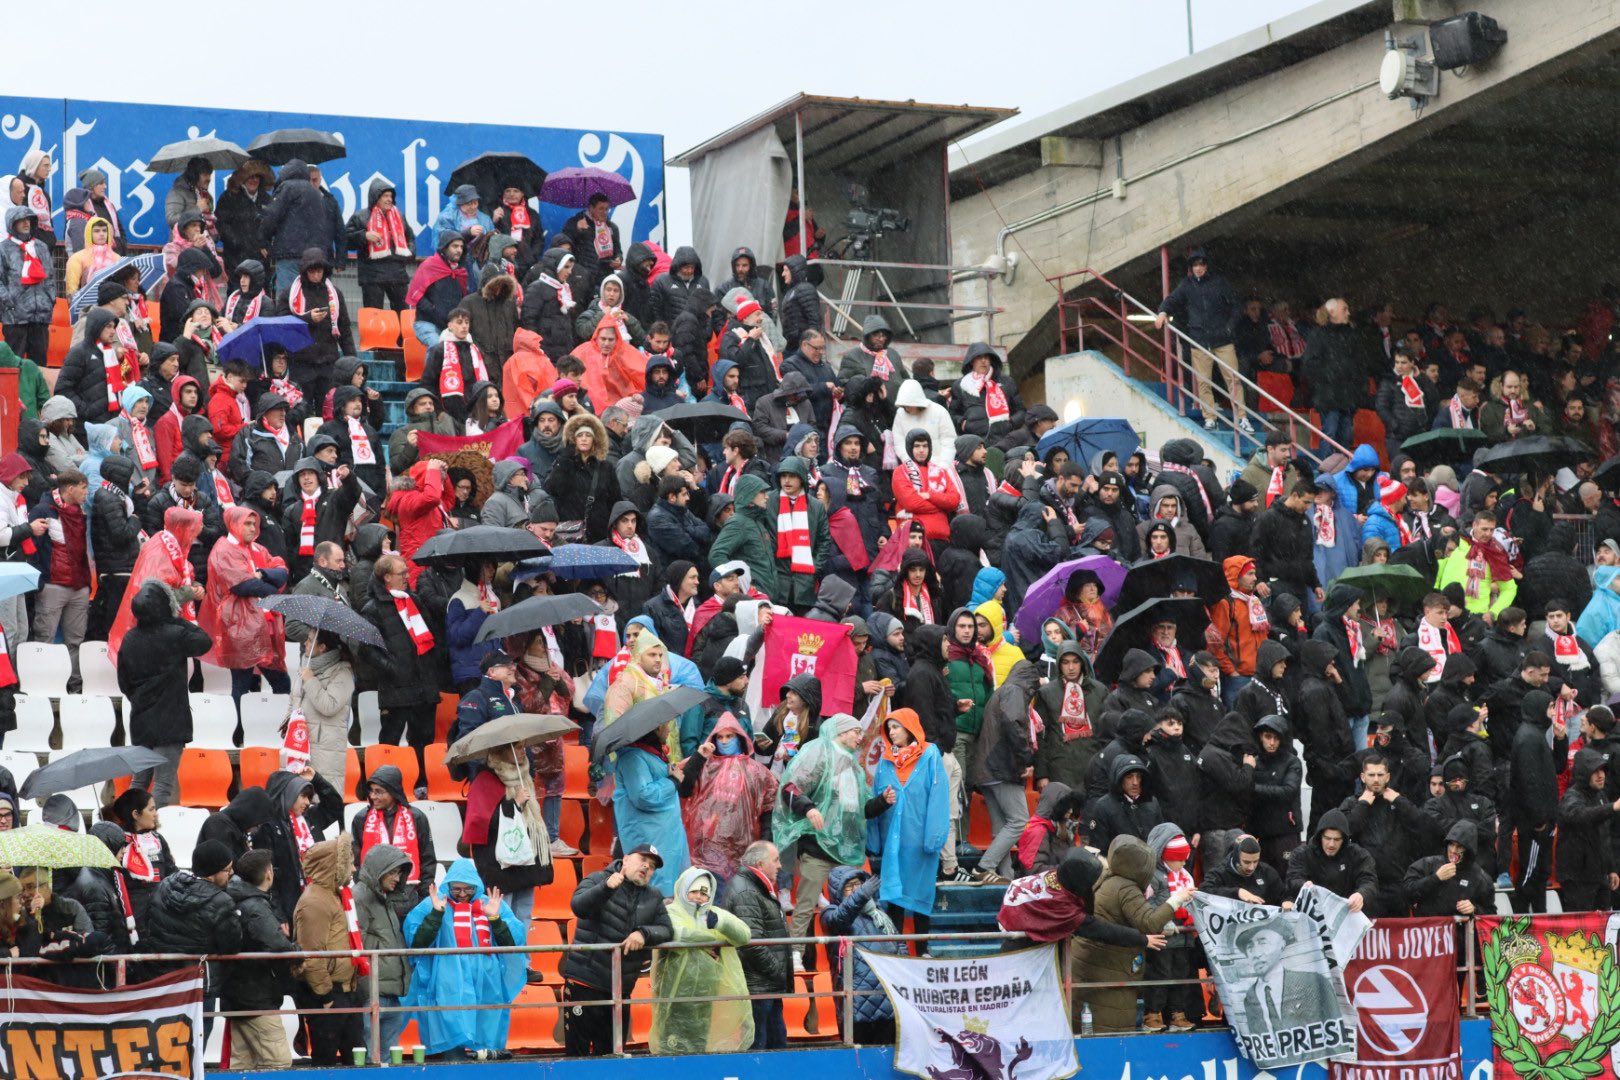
1403	984
295	747
500	443
795	646
1556	976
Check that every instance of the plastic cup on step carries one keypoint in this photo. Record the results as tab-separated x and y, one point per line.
418	1055
396	1055
359	1057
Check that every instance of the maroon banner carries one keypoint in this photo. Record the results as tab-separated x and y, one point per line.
822	650
1403	984
500	443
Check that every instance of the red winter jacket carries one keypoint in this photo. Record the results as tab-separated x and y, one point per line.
419	513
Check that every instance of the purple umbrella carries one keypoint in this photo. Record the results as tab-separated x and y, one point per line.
1046	595
574	187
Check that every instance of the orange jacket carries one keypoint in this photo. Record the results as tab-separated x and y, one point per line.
1232	636
527	374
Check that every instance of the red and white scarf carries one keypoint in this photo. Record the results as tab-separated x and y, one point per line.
375	831
1076	720
8	671
288	390
565	295
632	546
995	398
1259	621
303	835
1439	642
306	524
27	543
1459	415
1411	392
234	301
282	435
145	453
729	477
793	532
1172	659
1514	411
1274	487
602	242
1476	575
299	304
932	479
882	367
421	636
470	925
360	448
1326	527
222	490
351	919
1358	647
916	602
182	566
1568	652
390	230
1286	339
140	856
33	271
1171	466
519	221
112	362
451	381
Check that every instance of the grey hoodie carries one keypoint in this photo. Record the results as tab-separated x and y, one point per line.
379	924
508	507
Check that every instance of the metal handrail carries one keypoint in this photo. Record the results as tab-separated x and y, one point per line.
842	307
617	1000
1233	376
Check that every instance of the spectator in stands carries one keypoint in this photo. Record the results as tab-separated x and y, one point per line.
297	220
311	296
549	303
385	245
27	295
62	557
751	895
193	914
1206	308
306	804
320	924
378	883
701	1026
615	905
1452	883
1121	899
153	663
258	1042
390	819
408	691
245	638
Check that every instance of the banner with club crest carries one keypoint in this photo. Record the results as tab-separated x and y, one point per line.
1553	987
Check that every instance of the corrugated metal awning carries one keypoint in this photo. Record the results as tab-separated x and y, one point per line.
842	132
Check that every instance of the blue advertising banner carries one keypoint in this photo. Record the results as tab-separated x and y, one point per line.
417	156
1201	1055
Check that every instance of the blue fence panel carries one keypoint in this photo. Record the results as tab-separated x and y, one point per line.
1201	1055
417	156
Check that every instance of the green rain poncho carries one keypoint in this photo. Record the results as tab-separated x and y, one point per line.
701	1027
831	777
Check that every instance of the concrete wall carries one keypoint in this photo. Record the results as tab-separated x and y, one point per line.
1242	150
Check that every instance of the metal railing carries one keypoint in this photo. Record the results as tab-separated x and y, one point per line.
1115	316
620	1004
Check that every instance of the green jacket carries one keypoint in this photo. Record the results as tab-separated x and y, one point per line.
31	388
798	591
750	535
968	680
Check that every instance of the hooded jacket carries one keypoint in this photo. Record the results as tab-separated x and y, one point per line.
933	419
380	924
1064	759
1227	780
801	306
750	535
1196	485
670	291
1116	815
1535	764
1431	896
1003	750
386	269
1278	777
969	408
961	560
319	923
23	305
1046	839
691	330
1585	853
1323	725
1033	547
1348	871
300	218
231	826
115	527
261	985
154	666
750	278
1354	690
1204	308
83	377
406	895
1240	641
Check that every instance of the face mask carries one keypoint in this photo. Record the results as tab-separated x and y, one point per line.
728	746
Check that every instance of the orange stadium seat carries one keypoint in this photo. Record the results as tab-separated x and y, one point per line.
442	787
552	903
401	757
379	329
205	778
257	763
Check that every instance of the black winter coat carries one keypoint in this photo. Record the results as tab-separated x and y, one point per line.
1428	895
1535	768
1174	769
1283	547
1228	783
1225	880
1205	309
276	835
153	669
768	968
115	533
194	916
1585	854
1230	534
543	313
801	307
1394	832
403	676
1276	808
1349	871
1334	365
259	985
300	217
233	825
610	915
83	381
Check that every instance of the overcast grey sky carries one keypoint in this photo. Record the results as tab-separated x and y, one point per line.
682	70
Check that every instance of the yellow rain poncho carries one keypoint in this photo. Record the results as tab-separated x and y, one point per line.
701	1027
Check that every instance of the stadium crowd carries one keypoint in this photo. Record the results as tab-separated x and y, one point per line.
1444	734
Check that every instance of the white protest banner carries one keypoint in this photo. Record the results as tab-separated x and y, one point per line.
1284	999
52	1032
988	1016
1340	929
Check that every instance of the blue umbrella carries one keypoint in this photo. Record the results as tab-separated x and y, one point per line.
247	343
17	578
151	265
587	562
1088	436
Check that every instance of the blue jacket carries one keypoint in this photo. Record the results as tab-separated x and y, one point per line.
647	810
910	834
1365	457
985	584
461	625
850	916
1346	549
478	706
682	672
1379	523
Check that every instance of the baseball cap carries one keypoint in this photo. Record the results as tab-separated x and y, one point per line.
495	658
650	852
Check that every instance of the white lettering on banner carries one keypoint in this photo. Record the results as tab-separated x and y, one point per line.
999	1017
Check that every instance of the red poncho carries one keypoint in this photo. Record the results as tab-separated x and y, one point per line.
156	562
722	816
244	635
611	376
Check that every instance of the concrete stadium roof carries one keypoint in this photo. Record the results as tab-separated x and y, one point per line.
1011	150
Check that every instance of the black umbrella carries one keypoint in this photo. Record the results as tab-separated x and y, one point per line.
324	613
642	720
703	421
1159	577
1607	475
1134	629
494	172
220	154
1533	453
1444	445
95	765
535	612
480	542
306	144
